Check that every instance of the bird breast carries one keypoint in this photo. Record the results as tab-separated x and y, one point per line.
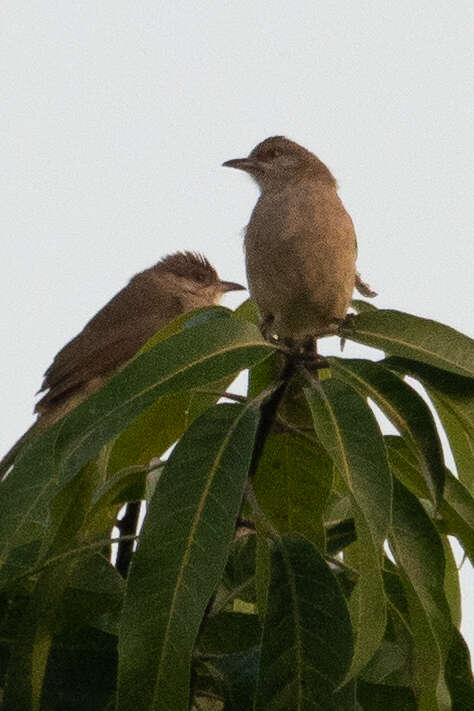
300	254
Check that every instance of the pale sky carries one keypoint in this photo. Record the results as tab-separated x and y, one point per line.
115	117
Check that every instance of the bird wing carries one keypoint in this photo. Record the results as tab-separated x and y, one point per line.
109	339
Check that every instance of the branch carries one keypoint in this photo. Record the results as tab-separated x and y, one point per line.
127	527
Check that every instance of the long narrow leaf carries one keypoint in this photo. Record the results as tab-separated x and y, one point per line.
459	674
181	557
307	636
418	551
348	430
409	336
457	506
453	398
407	411
41	622
292	485
194	357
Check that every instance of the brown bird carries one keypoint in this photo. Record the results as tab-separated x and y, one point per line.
178	283
300	244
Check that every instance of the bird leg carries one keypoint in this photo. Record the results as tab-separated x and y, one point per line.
309	354
304	352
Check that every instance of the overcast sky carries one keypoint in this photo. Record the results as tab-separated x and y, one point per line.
115	117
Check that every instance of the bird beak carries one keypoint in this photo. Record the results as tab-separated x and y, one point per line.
247	164
231	286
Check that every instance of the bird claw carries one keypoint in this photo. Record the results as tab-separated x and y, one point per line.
347	323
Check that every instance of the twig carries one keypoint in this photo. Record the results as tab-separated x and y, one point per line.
352	573
268	415
229	396
127	527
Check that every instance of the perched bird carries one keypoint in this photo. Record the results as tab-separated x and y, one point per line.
178	283
300	244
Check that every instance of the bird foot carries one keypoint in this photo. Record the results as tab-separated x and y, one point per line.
305	353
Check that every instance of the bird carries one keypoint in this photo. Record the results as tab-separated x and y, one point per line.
300	245
178	283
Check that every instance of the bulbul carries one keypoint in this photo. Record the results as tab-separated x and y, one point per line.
178	283
300	243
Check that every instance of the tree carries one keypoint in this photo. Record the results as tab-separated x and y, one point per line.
291	557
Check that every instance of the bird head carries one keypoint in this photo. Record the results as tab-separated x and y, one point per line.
277	161
195	278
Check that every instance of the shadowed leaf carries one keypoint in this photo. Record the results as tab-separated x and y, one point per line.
181	556
407	411
194	357
418	551
409	336
457	506
453	398
348	430
307	636
292	485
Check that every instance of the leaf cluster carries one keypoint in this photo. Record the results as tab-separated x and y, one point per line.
292	556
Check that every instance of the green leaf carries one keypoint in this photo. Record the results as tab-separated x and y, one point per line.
459	674
41	622
452	587
248	311
375	697
457	506
362	306
398	626
418	551
348	430
195	357
181	556
419	339
156	429
460	437
406	410
94	595
389	658
453	398
229	632
126	485
307	636
81	672
235	677
238	581
189	359
459	389
264	373
292	486
160	425
262	571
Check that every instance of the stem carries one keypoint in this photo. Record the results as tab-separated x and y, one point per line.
229	396
268	415
127	527
352	573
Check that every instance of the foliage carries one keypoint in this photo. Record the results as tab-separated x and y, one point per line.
328	583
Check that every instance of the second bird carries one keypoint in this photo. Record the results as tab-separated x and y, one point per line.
300	243
175	285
